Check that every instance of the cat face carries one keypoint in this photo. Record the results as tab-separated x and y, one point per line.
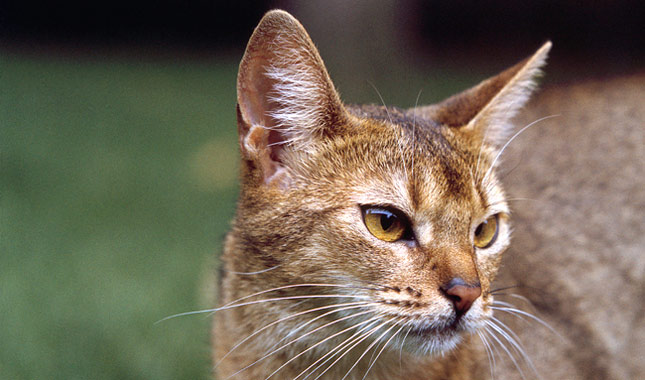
433	275
364	224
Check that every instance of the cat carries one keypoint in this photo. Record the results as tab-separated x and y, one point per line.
366	238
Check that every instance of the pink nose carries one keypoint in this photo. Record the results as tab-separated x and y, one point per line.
461	294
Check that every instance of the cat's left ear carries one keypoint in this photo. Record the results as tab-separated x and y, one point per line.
485	111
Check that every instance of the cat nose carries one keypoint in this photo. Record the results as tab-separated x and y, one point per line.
461	294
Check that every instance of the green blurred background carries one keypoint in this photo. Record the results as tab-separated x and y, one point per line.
118	151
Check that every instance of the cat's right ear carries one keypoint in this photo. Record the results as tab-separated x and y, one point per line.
485	111
285	97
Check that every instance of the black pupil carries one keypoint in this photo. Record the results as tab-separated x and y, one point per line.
479	229
387	220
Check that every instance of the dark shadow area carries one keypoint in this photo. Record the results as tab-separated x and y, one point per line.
609	31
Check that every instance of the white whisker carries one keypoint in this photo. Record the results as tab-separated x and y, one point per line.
335	351
492	165
337	308
286	298
370	346
291	287
489	353
502	303
356	343
514	340
311	347
401	348
501	344
232	304
494	349
521	298
307	323
383	348
518	313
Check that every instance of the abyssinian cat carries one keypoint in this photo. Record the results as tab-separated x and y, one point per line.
367	238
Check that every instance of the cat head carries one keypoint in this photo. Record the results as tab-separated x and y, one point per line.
397	210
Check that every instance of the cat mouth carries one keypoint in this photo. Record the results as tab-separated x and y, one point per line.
434	338
447	329
432	331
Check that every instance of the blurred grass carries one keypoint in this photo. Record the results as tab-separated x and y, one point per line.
117	182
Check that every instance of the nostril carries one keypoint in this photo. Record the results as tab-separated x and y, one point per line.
461	294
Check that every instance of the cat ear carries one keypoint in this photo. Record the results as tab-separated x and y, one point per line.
486	110
285	96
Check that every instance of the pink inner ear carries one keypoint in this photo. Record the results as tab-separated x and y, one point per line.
256	107
261	141
253	93
257	147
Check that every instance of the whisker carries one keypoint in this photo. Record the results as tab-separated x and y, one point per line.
359	341
502	303
291	287
510	355
291	333
376	349
518	297
494	349
508	109
512	310
493	291
522	298
335	351
355	342
311	347
401	349
339	307
490	169
383	348
510	171
515	342
520	286
376	284
489	353
235	303
371	345
287	298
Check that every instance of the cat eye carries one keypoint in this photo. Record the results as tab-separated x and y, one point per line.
486	232
386	224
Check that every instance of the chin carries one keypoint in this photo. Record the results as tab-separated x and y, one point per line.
433	341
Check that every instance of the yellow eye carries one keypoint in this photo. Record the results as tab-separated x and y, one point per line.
384	224
486	232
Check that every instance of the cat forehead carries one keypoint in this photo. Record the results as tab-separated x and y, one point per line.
416	161
416	141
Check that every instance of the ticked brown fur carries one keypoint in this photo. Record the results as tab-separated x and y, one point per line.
302	275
